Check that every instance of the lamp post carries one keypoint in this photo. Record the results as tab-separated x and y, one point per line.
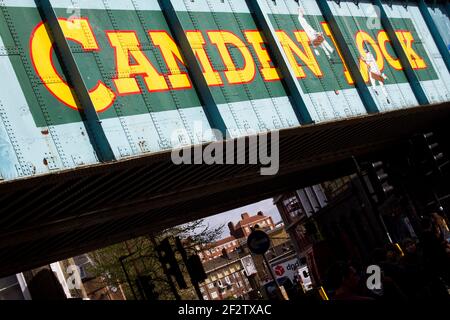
121	259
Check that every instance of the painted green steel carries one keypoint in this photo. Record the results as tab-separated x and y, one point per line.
433	74
289	60
363	90
361	20
62	50
288	74
210	106
439	24
413	78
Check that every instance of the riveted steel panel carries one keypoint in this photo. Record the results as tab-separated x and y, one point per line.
426	60
360	24
327	86
42	129
256	104
144	118
441	19
32	141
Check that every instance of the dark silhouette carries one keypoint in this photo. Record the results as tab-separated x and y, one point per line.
415	284
343	279
392	276
436	259
45	286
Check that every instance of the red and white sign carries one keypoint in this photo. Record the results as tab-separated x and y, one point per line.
279	270
286	269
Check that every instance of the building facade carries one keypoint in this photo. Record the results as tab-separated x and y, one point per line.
228	277
244	226
216	249
349	226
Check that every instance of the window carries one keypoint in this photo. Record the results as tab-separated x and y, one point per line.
214	295
82	272
205	298
10	289
292	206
202	289
211	285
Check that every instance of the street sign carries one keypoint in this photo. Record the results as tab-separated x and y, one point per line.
258	242
249	266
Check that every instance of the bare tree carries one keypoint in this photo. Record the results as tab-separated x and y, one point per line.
140	258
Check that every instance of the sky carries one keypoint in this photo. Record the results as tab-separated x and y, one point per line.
234	215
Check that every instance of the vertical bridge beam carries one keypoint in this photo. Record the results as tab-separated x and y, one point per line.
398	48
440	43
194	68
276	49
95	130
349	60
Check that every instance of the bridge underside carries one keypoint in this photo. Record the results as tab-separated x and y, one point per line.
51	217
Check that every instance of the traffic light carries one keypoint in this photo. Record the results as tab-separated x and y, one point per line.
434	158
167	257
379	179
195	269
147	288
193	263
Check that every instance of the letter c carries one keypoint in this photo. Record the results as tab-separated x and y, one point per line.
41	49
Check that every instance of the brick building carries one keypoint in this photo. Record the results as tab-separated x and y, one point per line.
237	231
227	278
244	227
216	249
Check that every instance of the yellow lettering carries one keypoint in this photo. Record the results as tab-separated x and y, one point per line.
406	40
363	38
171	54
41	49
347	74
126	45
382	40
197	42
292	51
234	75
269	73
308	56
